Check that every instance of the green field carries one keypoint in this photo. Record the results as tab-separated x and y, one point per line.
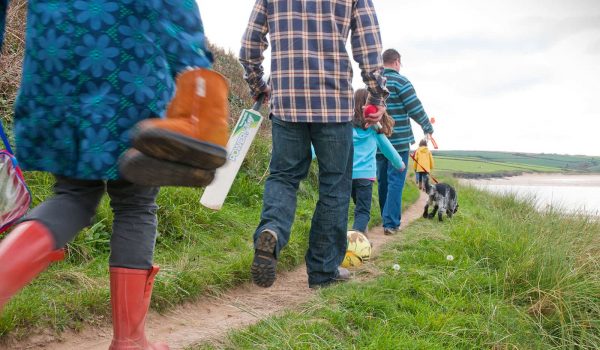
513	161
454	165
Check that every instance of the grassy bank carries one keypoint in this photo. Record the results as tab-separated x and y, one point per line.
519	280
200	252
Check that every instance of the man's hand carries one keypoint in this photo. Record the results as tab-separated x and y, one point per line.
265	95
374	118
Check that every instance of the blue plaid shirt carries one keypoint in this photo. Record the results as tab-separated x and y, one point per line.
311	73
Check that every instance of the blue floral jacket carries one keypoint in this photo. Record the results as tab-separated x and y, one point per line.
92	70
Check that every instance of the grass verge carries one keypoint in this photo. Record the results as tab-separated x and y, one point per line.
519	280
200	252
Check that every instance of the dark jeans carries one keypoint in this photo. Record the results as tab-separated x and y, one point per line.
422	179
391	184
290	163
362	194
134	226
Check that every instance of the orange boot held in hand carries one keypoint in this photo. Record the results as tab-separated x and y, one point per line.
195	130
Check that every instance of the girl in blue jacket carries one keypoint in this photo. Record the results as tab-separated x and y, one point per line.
366	142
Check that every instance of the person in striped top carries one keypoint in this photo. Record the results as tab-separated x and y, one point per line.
403	105
311	99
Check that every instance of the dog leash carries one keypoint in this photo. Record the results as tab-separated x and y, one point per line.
412	155
377	126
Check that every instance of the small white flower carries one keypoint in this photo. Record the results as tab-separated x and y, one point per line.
449	257
396	267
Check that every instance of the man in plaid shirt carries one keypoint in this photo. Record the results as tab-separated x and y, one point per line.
311	99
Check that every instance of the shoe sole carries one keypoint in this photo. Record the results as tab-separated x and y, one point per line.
168	145
144	170
264	265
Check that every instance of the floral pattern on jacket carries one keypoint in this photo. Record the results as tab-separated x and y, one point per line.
92	70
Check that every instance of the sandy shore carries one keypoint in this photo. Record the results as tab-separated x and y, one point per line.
540	180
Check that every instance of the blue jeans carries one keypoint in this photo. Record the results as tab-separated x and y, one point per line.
391	185
290	162
362	194
422	179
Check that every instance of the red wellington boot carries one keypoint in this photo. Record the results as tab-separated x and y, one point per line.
130	293
24	253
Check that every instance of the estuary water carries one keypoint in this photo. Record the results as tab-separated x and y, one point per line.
573	193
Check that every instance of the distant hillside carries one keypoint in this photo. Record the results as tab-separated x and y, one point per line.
485	162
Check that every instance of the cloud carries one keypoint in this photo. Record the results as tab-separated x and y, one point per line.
594	48
523	36
512	85
490	44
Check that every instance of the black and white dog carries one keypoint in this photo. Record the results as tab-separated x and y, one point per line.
444	200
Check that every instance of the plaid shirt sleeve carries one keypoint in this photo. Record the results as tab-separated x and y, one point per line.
254	43
3	5
366	50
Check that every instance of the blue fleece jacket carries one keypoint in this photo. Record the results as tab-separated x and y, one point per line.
366	143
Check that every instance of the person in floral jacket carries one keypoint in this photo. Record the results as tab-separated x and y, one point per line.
96	75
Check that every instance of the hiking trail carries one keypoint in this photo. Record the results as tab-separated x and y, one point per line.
210	319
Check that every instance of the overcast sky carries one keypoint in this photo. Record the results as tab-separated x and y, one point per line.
507	75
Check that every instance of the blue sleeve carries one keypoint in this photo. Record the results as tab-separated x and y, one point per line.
181	34
3	6
385	146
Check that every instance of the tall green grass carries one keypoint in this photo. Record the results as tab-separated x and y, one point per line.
200	252
519	280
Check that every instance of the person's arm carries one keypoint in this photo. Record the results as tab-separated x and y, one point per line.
366	50
431	160
414	107
415	160
3	6
254	43
385	146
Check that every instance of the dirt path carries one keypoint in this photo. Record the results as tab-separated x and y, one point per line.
211	319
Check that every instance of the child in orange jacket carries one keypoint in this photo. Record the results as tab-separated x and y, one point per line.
423	164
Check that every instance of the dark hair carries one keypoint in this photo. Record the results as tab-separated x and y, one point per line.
360	100
423	143
390	56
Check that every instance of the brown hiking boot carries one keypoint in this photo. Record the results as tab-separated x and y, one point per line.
195	130
264	265
144	170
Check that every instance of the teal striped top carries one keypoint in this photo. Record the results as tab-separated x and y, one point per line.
403	105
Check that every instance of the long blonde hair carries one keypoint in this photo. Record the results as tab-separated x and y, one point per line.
360	100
